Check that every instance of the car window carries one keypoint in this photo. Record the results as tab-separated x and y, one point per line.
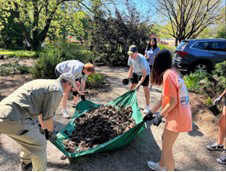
182	45
201	45
217	46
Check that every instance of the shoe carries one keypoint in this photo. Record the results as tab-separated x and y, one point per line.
222	160
26	167
146	110
155	166
215	147
65	114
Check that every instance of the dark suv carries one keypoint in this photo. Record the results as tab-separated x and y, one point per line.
199	54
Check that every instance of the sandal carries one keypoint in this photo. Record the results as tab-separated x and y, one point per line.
222	160
215	147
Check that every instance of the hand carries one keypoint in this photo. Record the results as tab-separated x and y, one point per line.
217	100
83	97
157	120
75	93
148	117
52	135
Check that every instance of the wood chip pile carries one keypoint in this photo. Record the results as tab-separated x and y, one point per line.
98	126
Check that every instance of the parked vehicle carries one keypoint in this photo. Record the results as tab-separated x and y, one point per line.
199	54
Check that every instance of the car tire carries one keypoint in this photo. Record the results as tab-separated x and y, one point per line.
202	66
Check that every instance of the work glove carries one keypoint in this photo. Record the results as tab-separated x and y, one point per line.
148	117
83	97
157	120
75	93
217	100
50	135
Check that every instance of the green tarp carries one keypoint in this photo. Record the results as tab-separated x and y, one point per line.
127	99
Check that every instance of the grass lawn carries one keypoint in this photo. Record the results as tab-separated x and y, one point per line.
18	53
170	48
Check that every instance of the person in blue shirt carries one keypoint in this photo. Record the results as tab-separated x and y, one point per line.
151	51
139	72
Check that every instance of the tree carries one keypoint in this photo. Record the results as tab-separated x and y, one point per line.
189	18
112	34
33	16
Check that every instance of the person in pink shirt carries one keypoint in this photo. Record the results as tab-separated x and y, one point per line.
175	108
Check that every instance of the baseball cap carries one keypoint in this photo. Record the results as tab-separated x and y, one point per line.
132	49
68	77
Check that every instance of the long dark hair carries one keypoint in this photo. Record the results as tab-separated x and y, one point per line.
154	46
163	61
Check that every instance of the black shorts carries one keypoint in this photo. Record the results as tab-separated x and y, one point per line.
135	79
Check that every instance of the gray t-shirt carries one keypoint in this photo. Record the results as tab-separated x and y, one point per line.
74	67
41	96
138	64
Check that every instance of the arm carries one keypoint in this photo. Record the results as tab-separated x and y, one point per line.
223	94
169	106
83	85
46	124
130	72
157	105
143	76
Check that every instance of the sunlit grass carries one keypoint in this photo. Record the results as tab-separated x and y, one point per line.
18	53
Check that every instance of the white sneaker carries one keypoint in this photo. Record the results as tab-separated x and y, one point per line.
155	166
65	114
146	110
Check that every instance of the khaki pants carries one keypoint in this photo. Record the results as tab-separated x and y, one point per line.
33	143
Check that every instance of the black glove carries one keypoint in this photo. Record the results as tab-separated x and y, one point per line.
157	120
148	117
75	93
50	135
83	98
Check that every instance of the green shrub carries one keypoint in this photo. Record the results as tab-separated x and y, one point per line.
95	80
219	75
209	85
193	80
45	66
56	53
13	68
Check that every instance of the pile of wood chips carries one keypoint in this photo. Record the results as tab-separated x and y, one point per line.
98	126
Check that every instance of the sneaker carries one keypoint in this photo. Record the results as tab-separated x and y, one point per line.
215	147
26	167
65	114
155	166
222	160
146	110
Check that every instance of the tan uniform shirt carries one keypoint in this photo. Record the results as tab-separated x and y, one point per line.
41	96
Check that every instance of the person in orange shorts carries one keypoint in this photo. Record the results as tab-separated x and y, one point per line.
175	108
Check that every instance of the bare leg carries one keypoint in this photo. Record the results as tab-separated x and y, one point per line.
167	159
222	127
147	95
65	95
